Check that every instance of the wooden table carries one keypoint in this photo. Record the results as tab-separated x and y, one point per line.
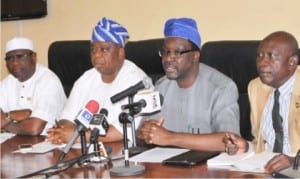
16	164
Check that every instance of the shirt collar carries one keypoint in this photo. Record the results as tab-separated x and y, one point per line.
286	89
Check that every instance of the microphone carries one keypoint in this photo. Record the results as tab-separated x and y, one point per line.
94	141
100	151
141	103
99	126
99	122
145	83
82	123
153	100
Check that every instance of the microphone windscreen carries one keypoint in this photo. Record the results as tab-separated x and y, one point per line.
104	111
143	103
152	100
93	106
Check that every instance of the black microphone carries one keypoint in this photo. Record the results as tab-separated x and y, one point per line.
82	121
99	122
141	103
101	152
94	141
153	101
145	83
99	126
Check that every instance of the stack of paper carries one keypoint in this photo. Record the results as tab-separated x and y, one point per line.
255	163
225	159
248	162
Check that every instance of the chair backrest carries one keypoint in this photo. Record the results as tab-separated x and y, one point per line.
236	59
144	53
69	59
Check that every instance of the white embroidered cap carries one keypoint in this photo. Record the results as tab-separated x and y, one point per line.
19	43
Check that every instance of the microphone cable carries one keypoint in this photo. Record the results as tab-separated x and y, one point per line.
59	167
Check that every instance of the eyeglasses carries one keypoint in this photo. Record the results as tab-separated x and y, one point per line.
18	57
176	53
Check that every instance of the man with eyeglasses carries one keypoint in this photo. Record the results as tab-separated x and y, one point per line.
277	87
31	96
198	100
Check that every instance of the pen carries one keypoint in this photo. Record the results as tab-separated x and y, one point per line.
296	160
56	123
161	121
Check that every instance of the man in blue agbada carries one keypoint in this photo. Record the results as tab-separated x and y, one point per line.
200	103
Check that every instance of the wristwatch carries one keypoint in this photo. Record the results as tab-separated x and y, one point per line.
7	116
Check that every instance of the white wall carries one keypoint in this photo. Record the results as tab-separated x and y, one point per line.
217	20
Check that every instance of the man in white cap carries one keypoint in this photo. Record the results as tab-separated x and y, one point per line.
111	74
198	100
31	96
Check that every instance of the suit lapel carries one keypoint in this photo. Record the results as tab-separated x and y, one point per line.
294	114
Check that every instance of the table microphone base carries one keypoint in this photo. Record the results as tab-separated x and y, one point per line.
127	170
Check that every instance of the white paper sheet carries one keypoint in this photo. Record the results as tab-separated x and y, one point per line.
5	136
255	163
225	159
290	172
247	162
157	154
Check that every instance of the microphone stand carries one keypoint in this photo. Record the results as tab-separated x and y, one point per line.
131	113
83	142
83	146
134	149
96	149
127	169
99	156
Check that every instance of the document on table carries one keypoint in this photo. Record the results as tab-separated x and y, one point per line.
290	172
247	162
41	147
157	155
225	159
255	163
5	136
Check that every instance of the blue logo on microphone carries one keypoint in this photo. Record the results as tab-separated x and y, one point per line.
87	115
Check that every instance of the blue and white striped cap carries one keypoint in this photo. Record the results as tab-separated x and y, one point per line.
109	31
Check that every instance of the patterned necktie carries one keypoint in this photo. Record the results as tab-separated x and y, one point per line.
277	124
